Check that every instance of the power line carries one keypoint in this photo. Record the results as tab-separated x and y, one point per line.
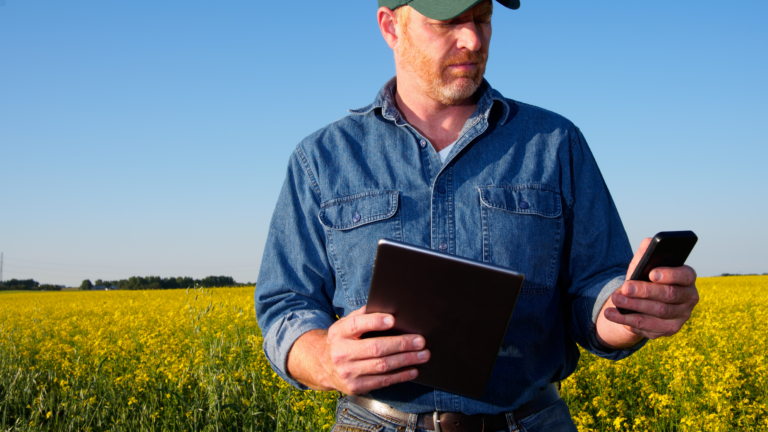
17	269
127	267
122	273
31	274
21	274
21	268
119	270
69	273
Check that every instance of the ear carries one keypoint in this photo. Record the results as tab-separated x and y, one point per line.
388	26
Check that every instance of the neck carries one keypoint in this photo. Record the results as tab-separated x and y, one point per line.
439	123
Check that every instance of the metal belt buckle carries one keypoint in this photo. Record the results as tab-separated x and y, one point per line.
436	421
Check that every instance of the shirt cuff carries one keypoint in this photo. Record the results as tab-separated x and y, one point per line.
602	297
283	334
597	348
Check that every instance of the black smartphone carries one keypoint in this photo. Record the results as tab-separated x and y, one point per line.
667	249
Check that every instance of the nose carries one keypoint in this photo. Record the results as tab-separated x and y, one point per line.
469	37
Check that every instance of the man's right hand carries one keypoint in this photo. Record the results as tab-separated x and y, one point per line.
352	365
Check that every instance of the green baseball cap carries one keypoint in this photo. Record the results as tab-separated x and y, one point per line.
442	10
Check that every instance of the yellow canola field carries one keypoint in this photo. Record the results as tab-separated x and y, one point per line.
712	376
191	360
144	360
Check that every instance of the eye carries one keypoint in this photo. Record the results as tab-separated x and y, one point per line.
483	19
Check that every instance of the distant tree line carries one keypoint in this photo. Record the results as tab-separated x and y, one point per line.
743	274
132	283
28	285
156	283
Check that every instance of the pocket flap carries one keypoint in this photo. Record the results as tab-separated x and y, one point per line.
534	199
354	210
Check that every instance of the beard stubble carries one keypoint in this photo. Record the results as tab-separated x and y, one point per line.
437	81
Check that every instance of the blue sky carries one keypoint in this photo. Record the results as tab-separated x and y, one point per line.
151	137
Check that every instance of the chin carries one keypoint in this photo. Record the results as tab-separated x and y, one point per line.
457	92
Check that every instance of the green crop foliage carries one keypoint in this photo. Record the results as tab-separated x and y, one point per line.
191	360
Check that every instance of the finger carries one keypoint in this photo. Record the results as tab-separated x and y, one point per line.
651	307
660	292
682	276
645	325
391	363
613	314
353	326
368	383
384	346
644	333
360	311
638	256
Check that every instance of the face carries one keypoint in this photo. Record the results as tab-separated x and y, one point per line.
447	58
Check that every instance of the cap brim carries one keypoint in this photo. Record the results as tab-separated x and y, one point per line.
442	10
512	4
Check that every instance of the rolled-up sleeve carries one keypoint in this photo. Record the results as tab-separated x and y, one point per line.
597	251
295	287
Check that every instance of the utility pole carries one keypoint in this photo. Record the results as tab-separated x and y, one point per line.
1	268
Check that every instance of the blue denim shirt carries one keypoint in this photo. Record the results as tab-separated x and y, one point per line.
520	189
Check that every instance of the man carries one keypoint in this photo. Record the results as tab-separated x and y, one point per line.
441	160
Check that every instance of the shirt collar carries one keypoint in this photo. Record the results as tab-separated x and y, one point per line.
385	100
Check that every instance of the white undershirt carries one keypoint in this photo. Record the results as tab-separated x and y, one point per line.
444	152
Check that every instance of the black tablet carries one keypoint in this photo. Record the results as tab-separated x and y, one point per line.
461	307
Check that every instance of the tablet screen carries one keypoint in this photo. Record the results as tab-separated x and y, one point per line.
462	308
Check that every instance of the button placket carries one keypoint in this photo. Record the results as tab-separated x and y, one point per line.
442	211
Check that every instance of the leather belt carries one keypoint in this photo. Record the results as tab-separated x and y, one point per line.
458	422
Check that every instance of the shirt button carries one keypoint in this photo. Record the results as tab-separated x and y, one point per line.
441	189
356	218
422	143
523	205
442	246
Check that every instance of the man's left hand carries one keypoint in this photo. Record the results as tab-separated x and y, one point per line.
662	306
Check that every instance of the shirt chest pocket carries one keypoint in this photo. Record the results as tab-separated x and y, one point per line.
522	230
354	224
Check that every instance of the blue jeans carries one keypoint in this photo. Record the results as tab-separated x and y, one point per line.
352	418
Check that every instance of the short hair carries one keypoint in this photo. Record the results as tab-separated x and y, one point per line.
403	14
